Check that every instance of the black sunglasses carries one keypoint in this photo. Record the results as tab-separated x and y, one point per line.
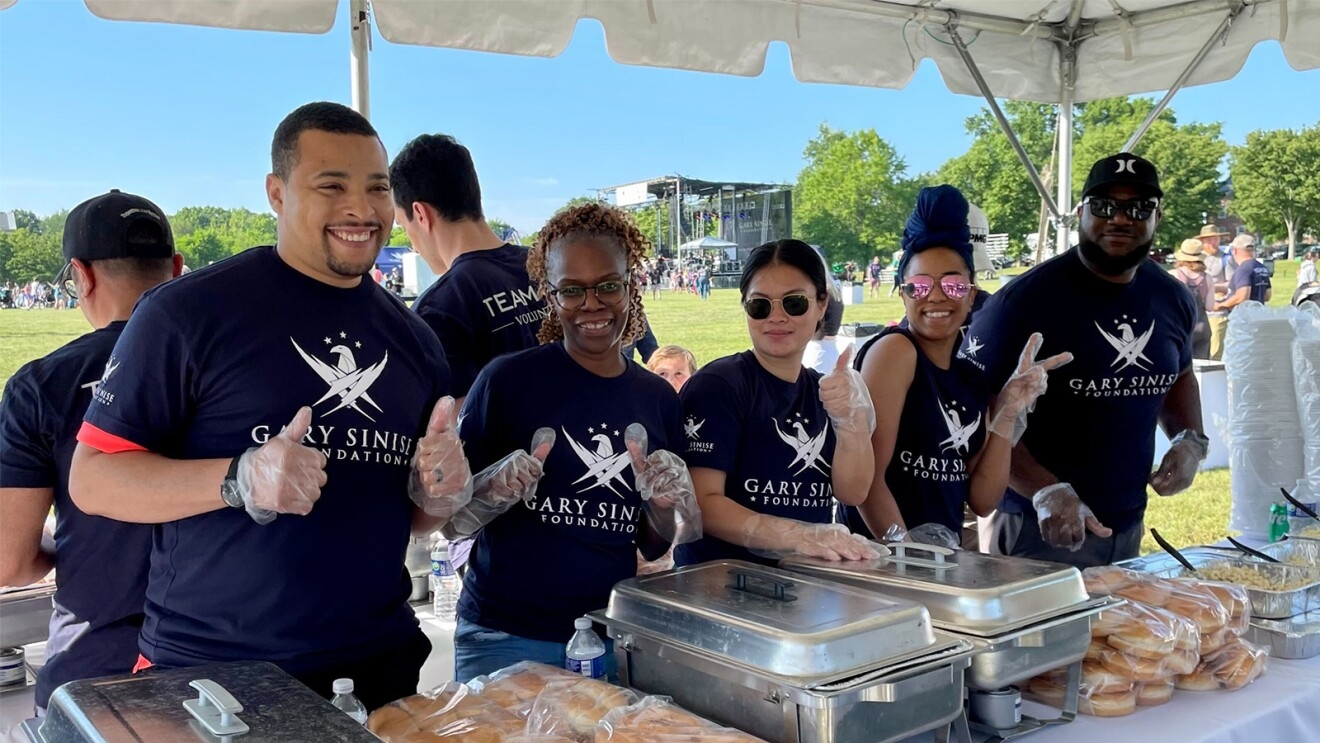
1138	210
759	308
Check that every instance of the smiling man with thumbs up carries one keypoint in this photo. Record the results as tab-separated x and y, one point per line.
285	425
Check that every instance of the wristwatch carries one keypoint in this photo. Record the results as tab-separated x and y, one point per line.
229	486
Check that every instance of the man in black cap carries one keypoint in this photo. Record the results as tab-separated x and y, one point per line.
116	247
1077	488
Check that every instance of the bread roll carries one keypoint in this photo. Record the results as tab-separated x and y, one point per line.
1146	592
1093	650
1143	642
1108	705
1097	679
1199	680
1130	667
1154	693
1106	579
1182	662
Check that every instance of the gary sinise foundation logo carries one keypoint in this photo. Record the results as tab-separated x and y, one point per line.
1126	378
347	384
805	455
692	431
935	466
105	398
603	459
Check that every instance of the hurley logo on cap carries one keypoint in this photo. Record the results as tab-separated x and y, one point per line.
1123	169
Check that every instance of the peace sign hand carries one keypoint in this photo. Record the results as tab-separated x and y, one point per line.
1018	397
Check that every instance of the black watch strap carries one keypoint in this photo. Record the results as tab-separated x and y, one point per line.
232	474
229	486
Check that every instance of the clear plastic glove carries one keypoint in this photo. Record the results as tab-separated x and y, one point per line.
846	399
1018	397
776	538
282	475
441	482
1064	519
496	488
938	535
1181	462
668	495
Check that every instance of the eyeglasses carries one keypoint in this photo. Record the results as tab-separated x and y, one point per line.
64	279
920	286
1138	210
608	293
795	305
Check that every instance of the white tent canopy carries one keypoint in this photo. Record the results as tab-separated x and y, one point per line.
1053	51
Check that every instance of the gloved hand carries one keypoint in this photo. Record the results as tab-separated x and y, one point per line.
1064	519
846	399
441	482
1018	397
775	538
282	475
938	535
1181	462
502	484
668	495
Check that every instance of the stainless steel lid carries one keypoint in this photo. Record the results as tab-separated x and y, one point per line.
966	592
778	622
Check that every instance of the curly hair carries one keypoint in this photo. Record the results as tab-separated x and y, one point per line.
593	221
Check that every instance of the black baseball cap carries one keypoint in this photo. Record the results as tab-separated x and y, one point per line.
117	225
1123	169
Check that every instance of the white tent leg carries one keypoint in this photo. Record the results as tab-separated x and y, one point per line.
986	93
1178	84
1063	225
360	79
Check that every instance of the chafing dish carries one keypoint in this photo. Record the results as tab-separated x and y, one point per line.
788	657
25	614
251	702
1302	553
1265	604
1294	638
1024	617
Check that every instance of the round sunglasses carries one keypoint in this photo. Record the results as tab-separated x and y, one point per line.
759	308
920	286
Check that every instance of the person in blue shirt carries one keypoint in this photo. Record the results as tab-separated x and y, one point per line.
599	482
1250	280
1077	485
938	443
283	421
116	246
773	445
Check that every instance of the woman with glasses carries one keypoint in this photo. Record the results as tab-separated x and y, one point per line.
599	484
938	444
771	444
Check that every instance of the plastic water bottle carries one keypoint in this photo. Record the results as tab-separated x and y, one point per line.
444	582
1298	520
585	653
345	702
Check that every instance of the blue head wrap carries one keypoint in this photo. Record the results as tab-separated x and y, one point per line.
939	220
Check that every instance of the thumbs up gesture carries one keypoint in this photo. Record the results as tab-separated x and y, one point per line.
666	488
282	475
515	477
441	482
844	395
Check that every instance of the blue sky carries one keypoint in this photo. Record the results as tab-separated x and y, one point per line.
184	115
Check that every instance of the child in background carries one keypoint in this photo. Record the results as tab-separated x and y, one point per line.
674	364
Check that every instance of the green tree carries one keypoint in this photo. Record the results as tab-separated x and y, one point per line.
31	255
1188	157
399	238
853	195
991	176
1276	182
26	220
202	248
502	229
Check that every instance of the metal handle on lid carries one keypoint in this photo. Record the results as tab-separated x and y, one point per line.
215	708
777	590
938	562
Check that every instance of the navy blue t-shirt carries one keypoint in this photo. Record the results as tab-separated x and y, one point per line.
1095	426
482	307
941	429
549	560
772	440
216	362
101	564
1251	274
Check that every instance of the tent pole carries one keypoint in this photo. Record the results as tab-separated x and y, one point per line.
1064	132
1216	37
360	46
989	96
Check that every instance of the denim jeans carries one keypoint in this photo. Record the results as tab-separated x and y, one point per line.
481	651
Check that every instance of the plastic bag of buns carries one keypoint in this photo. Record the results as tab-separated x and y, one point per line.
447	713
1234	599
1144	643
516	687
573	707
659	720
1231	667
1102	693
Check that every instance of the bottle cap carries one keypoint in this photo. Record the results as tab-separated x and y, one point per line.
582	623
343	686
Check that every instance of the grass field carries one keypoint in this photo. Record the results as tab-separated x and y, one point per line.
712	329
